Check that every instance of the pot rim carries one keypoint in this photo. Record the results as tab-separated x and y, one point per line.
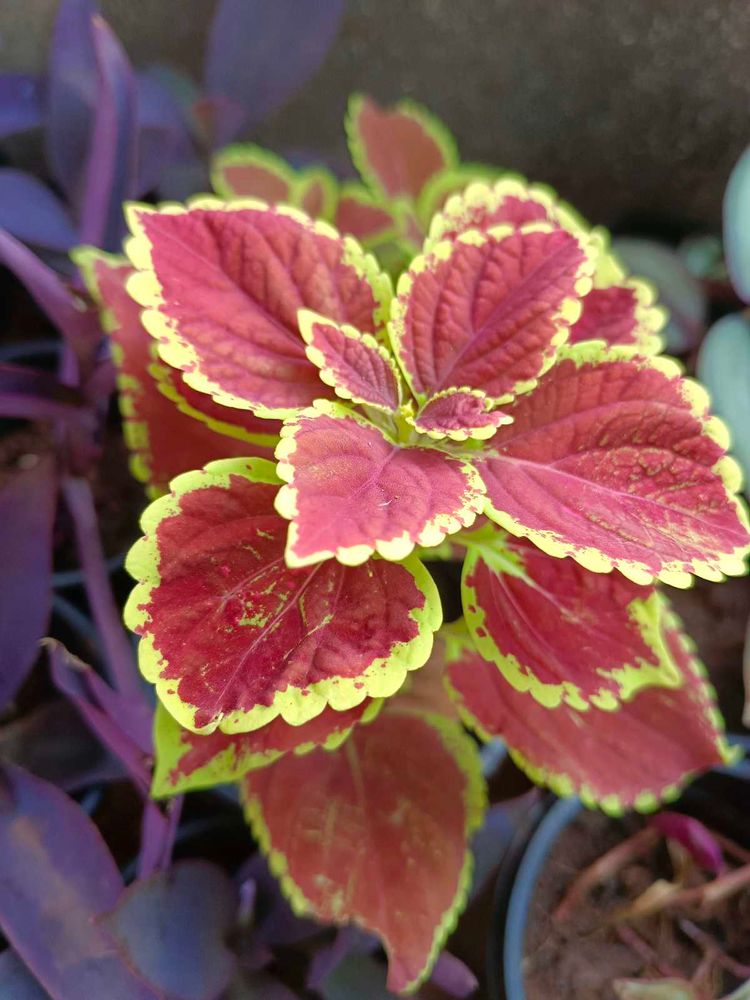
520	871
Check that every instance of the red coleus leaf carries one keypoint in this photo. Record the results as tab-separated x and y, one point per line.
222	284
560	632
614	460
354	364
634	756
186	760
360	214
315	192
169	427
459	414
619	310
397	150
232	637
351	491
247	171
376	833
489	310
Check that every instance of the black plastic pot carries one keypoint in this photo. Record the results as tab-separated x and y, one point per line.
721	799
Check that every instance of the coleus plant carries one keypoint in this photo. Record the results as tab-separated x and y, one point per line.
505	407
408	163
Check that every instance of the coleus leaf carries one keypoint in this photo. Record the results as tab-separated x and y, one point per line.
222	283
361	215
619	309
169	428
489	310
400	799
397	150
232	637
386	498
247	171
562	633
459	414
315	191
171	929
643	752
354	364
614	460
187	760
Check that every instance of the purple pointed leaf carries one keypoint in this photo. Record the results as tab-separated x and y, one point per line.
260	53
171	928
113	719
162	133
80	327
16	982
32	213
57	877
112	154
20	103
27	511
55	744
71	95
158	831
453	976
30	394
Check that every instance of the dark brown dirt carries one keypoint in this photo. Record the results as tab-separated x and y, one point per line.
580	957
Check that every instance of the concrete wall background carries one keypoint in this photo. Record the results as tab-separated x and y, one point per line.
631	108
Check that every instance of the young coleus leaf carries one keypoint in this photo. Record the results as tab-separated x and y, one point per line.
619	309
397	150
232	637
354	364
459	414
248	171
561	633
351	490
169	427
633	756
186	760
222	283
614	460
360	214
400	799
489	311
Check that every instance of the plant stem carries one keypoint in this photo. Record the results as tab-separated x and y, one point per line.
120	660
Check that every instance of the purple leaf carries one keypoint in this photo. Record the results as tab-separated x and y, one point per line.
258	986
53	743
106	713
259	53
348	941
16	982
20	103
27	511
694	837
71	95
31	394
158	831
162	133
79	326
171	928
453	977
32	213
112	154
57	877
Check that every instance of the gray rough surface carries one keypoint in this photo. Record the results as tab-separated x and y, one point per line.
626	106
